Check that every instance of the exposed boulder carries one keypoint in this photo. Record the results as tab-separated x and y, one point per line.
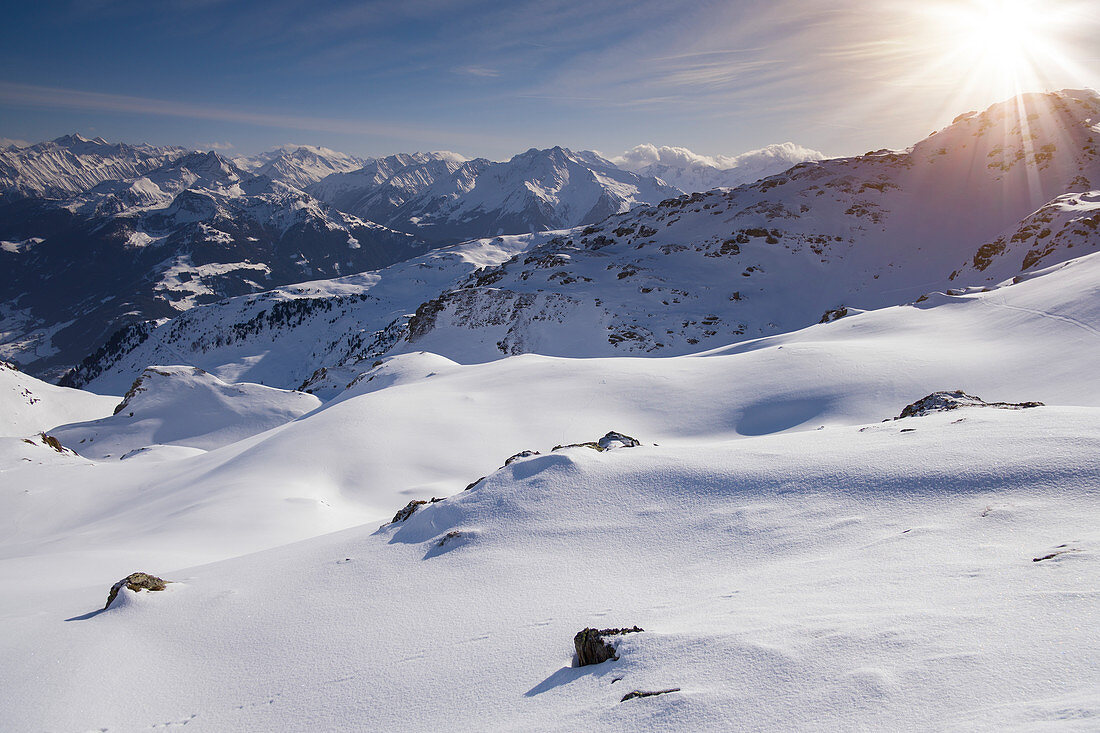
943	401
592	648
617	440
136	582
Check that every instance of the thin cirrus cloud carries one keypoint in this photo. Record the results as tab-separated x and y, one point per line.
482	71
51	97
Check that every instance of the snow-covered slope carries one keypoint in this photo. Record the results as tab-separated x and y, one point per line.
187	407
420	425
933	572
815	242
28	405
444	198
71	164
195	230
691	172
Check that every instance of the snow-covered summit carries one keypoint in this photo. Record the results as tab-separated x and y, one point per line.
383	185
306	164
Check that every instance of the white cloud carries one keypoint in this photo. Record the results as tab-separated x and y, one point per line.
483	71
215	146
647	154
690	171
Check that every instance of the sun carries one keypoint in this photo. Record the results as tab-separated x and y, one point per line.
995	49
1004	34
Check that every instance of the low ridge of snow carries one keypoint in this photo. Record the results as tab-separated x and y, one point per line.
29	405
184	406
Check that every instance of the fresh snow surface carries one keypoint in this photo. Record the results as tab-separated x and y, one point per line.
797	563
29	405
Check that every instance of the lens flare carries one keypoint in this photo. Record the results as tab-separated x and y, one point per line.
1006	44
977	52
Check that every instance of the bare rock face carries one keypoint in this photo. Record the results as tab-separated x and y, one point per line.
943	401
592	648
136	582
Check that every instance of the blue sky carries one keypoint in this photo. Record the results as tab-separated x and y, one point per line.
494	78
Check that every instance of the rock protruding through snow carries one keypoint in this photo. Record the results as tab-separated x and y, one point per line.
607	442
593	648
953	400
136	582
647	693
409	509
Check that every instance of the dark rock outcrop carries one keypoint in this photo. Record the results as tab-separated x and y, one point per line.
647	693
409	509
617	440
943	401
593	648
451	536
521	454
52	442
607	442
136	582
834	315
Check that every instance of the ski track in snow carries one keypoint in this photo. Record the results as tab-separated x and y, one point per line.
1055	316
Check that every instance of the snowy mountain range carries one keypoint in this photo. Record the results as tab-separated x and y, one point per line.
193	230
974	206
445	199
159	230
72	164
299	165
